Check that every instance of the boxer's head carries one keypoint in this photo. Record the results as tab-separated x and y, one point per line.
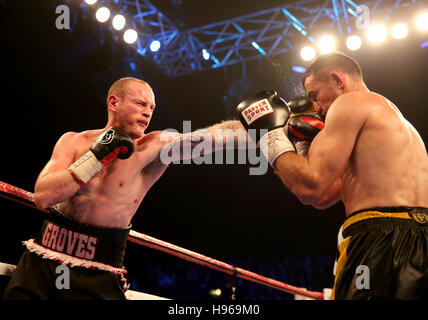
329	76
130	104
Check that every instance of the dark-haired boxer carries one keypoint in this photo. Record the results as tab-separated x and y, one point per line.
369	156
93	197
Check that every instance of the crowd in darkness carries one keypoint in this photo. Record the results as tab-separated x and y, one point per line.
182	280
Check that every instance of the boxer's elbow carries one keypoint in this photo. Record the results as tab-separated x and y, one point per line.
310	195
321	206
312	200
307	199
40	200
326	199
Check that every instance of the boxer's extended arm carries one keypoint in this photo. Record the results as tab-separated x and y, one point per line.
171	146
55	183
230	134
312	179
222	136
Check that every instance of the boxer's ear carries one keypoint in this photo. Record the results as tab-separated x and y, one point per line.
112	102
338	78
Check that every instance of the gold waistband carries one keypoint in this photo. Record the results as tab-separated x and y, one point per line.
373	215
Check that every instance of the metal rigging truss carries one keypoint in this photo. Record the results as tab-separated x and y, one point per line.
268	32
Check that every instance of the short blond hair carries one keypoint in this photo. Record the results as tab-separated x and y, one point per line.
119	86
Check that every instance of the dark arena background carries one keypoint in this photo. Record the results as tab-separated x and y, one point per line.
212	55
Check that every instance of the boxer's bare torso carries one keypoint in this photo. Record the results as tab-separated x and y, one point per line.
388	165
112	196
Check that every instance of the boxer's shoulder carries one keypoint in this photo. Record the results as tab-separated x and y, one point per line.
347	105
148	149
77	140
149	139
373	105
89	134
364	100
67	139
81	137
356	105
351	99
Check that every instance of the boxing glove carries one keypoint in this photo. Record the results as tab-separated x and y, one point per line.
266	113
305	126
111	144
302	129
265	110
301	104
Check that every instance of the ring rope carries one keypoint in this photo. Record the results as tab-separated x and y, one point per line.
27	198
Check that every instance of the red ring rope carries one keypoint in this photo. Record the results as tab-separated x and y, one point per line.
27	198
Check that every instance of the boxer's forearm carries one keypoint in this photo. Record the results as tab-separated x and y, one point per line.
229	124
54	188
222	136
296	174
229	135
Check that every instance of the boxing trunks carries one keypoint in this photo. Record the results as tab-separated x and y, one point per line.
383	254
71	260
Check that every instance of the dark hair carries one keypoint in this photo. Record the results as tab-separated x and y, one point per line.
325	63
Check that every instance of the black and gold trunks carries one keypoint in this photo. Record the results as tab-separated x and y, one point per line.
383	254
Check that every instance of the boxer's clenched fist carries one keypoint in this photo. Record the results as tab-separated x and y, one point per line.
302	129
111	144
266	110
305	126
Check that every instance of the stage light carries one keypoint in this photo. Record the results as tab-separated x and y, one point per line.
91	2
353	43
422	21
102	14
424	45
205	54
326	44
130	36
307	53
118	22
377	33
399	31
215	293
298	69
259	49
155	46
